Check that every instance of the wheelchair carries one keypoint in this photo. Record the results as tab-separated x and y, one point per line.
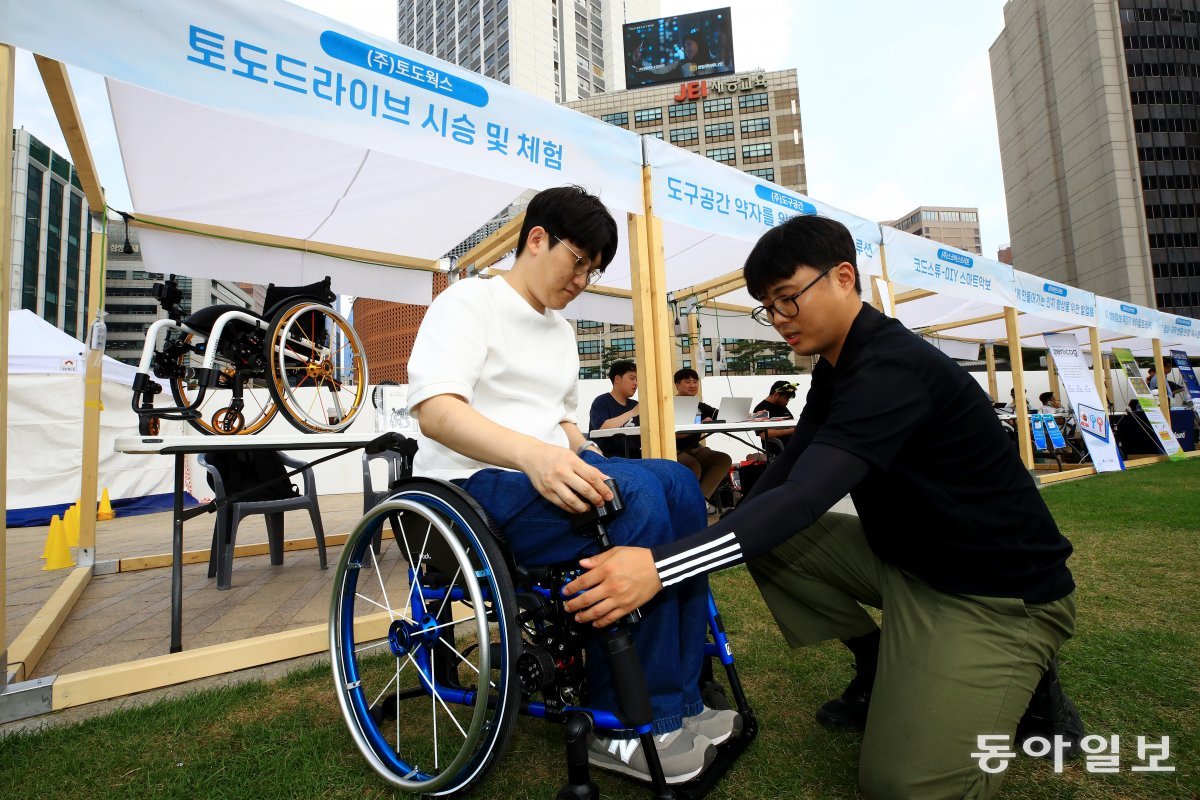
439	639
307	356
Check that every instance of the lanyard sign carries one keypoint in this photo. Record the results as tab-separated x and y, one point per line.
1039	432
922	264
700	193
1146	401
1189	377
1043	426
1056	437
1080	386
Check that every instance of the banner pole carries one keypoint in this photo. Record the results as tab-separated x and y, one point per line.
1099	367
1024	437
1164	388
7	68
989	351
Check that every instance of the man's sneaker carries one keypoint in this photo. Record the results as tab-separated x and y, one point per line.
683	755
849	710
1051	713
711	509
714	725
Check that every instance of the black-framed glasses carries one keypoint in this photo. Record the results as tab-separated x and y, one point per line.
582	265
785	306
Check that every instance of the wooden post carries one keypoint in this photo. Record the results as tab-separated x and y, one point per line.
1024	435
7	68
989	351
1052	374
1164	389
694	338
92	405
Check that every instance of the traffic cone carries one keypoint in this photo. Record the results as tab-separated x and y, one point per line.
71	524
106	511
55	522
58	555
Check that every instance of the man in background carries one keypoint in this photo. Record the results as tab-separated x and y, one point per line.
709	466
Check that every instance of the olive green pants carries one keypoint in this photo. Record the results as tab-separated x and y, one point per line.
951	667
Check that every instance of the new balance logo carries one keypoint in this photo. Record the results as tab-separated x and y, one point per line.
623	748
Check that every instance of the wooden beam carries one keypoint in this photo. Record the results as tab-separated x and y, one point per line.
493	248
946	326
915	294
62	100
1099	362
31	643
163	560
1052	374
728	307
989	350
1016	363
730	281
1164	389
93	377
643	334
7	82
284	242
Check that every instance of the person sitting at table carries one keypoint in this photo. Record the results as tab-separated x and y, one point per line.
616	408
1152	381
775	405
1050	404
709	466
1011	406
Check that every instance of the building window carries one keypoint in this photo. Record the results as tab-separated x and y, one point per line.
718	107
754	153
643	117
753	128
682	111
33	234
970	216
586	373
655	134
949	216
766	173
726	155
752	101
718	132
620	119
585	325
592	347
689	135
622	347
929	216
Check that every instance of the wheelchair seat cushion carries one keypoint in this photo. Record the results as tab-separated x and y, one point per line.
204	319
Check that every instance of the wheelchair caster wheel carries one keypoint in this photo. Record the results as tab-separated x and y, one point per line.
228	422
148	426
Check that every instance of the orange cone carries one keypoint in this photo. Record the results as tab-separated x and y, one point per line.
71	524
106	510
58	555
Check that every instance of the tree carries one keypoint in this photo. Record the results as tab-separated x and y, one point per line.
613	354
749	357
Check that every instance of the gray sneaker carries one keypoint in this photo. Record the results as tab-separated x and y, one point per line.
716	726
683	755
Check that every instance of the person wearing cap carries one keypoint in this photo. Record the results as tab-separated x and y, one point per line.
952	539
776	403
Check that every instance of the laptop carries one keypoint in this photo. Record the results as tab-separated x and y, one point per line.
734	409
686	409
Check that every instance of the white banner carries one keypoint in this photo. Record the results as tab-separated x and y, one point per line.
1090	413
701	193
1049	300
1182	331
287	66
1147	401
924	264
1130	319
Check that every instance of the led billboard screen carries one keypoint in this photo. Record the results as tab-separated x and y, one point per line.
681	48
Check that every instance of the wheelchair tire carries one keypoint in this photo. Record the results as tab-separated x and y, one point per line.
428	688
301	353
256	416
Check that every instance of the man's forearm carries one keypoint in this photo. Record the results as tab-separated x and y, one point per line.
450	421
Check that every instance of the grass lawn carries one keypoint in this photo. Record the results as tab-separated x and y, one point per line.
1133	669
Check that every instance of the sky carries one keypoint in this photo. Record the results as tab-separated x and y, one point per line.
895	98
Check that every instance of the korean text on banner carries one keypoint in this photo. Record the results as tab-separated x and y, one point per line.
1147	402
922	264
1039	297
286	66
1090	413
701	193
1127	318
1189	377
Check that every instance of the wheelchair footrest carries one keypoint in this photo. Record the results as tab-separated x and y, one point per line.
727	755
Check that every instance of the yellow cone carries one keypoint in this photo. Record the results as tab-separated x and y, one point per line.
106	512
58	555
71	524
55	522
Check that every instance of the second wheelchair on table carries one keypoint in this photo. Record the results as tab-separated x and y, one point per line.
438	639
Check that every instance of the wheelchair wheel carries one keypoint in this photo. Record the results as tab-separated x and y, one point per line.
214	409
317	368
425	670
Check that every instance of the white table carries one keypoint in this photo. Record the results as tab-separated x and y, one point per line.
182	446
728	428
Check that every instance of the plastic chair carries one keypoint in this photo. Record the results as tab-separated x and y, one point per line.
220	561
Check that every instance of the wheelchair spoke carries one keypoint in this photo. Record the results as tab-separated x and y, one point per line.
433	704
387	606
471	618
391	612
368	647
464	660
412	567
395	681
445	599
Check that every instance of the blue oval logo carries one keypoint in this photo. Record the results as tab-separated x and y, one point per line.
1186	323
955	258
1128	309
402	68
1058	290
786	200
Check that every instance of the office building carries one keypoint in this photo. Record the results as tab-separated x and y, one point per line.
749	120
1098	115
953	225
51	247
556	49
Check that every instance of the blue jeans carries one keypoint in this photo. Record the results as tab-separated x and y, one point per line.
662	503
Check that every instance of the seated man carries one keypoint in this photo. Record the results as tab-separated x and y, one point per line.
775	405
1011	406
1050	404
709	466
616	409
1152	381
494	381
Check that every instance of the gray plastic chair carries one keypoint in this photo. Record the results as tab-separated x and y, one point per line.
220	560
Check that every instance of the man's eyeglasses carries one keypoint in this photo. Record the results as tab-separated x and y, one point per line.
582	265
785	306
